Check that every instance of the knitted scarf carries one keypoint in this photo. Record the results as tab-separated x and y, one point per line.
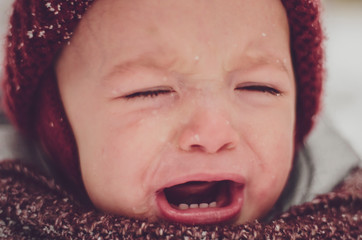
33	206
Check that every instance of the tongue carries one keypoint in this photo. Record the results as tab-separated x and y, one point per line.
193	188
192	192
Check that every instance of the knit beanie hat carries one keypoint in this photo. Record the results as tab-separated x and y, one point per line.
40	28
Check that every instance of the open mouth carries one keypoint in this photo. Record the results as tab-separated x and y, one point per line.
201	202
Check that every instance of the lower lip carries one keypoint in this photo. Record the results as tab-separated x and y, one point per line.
202	215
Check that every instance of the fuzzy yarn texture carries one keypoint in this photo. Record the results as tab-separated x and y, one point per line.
35	207
40	28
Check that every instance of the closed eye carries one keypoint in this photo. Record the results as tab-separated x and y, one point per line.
260	88
149	93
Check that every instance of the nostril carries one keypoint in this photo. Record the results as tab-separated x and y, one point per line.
201	148
197	147
227	146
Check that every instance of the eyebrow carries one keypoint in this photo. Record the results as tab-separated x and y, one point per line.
161	61
147	60
256	60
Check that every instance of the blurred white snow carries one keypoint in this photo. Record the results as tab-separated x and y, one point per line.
5	10
343	91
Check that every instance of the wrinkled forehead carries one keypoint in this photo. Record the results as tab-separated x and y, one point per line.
131	30
205	20
210	13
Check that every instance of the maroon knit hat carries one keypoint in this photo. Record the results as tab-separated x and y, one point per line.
39	30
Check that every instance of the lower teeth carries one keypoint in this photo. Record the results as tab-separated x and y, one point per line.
184	206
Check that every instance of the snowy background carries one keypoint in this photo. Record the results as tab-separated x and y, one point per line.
343	93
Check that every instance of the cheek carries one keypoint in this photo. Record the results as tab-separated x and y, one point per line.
273	145
116	162
272	142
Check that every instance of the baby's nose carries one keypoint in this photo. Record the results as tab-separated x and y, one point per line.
208	131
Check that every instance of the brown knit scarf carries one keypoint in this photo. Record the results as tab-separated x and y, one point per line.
35	207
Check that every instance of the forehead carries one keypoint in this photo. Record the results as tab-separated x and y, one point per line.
157	31
205	20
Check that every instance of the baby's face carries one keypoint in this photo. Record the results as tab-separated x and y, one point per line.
182	110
